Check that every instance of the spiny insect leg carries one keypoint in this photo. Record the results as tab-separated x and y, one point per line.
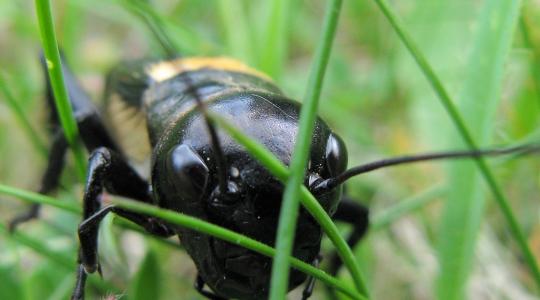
49	180
108	170
310	285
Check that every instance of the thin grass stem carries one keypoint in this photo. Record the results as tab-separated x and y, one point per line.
535	65
454	114
20	115
39	198
64	261
289	208
61	97
38	247
155	24
274	38
238	36
406	207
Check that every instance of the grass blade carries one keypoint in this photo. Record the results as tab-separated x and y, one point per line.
147	282
38	247
18	111
279	283
405	207
180	37
230	236
274	38
478	103
443	95
535	61
54	68
66	262
46	200
237	34
38	198
11	286
280	171
154	23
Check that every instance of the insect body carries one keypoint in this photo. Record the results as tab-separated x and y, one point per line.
184	168
156	146
156	112
153	114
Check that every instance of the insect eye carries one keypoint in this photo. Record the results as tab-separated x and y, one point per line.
336	155
187	171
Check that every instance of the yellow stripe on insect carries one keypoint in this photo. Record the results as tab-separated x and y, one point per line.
167	69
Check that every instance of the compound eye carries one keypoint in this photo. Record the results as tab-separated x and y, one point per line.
187	171
336	155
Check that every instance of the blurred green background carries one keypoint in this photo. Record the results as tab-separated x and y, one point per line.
451	241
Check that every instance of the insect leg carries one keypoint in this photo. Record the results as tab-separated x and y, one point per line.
308	290
356	214
78	291
199	286
49	180
92	131
108	170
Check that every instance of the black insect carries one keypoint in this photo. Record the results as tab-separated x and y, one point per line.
155	145
151	108
153	111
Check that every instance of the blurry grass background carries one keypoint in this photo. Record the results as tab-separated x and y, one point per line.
374	96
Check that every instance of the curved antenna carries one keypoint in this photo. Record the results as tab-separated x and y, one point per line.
216	146
327	185
151	19
147	14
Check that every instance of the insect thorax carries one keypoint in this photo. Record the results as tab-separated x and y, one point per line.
143	98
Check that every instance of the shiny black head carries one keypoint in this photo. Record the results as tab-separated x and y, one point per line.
185	180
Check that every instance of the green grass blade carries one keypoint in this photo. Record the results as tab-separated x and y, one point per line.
154	23
20	115
478	103
182	38
279	283
535	61
54	68
280	171
188	222
11	286
147	282
230	236
66	262
405	207
69	207
39	247
443	95
274	39
38	198
237	34
49	201
133	227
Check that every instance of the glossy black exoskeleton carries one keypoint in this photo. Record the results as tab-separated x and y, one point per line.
151	143
184	166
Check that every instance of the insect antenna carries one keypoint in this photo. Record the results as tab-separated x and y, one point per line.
148	16
216	146
151	20
327	185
